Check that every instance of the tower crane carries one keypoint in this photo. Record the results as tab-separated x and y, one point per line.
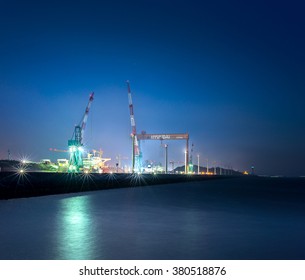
136	153
76	142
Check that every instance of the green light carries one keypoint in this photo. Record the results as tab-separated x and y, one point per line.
75	231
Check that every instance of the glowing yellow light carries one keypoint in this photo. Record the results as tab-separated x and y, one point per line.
21	171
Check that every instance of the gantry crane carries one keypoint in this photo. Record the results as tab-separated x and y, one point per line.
76	142
136	153
171	136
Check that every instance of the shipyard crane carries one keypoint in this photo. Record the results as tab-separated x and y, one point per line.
171	136
136	153
76	142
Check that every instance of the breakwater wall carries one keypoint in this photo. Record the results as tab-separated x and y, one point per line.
18	185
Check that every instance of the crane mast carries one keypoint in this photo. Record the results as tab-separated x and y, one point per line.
136	154
190	165
76	143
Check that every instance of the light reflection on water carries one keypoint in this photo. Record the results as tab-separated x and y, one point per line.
75	229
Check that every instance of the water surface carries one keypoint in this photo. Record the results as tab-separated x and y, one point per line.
237	218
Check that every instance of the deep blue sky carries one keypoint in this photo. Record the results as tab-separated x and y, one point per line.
230	73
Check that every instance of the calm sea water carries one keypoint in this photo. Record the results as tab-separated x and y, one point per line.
242	218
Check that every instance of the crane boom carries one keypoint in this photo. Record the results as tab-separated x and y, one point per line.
85	117
136	154
132	120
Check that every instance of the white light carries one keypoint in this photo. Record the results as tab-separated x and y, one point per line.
21	171
72	149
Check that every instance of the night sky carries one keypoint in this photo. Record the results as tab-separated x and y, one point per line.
229	73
